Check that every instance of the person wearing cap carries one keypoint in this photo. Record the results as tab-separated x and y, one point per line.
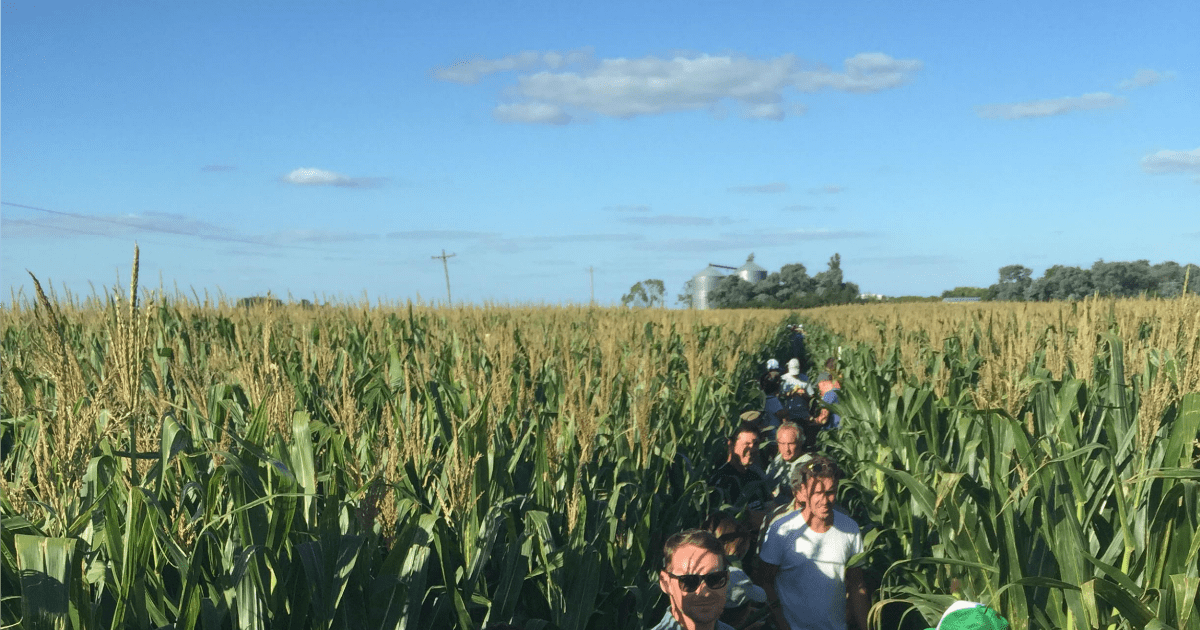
796	392
804	557
962	615
773	410
694	578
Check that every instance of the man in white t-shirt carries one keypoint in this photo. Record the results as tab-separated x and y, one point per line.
802	563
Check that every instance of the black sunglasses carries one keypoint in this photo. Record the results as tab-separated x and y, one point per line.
691	581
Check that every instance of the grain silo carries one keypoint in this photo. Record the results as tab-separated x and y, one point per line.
751	272
703	283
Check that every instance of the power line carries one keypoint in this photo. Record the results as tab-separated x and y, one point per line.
446	268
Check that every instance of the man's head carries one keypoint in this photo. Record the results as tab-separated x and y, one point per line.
794	367
815	485
694	576
743	445
790	439
770	385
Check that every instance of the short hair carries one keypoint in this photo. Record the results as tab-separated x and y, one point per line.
819	467
788	425
695	538
745	427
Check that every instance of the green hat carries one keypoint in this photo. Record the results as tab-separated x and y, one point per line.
971	616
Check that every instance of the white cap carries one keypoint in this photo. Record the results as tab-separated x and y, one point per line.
772	364
794	367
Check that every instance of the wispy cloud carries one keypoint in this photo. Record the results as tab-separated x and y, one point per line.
799	207
426	235
1169	161
319	236
628	208
526	243
828	189
1050	106
546	92
760	240
773	187
1145	78
58	223
217	168
319	177
668	219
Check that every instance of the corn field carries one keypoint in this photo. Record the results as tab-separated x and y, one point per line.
1041	458
171	463
176	462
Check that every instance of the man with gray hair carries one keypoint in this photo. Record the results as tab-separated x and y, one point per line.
790	440
804	557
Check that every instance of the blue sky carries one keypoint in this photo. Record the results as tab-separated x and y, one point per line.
331	149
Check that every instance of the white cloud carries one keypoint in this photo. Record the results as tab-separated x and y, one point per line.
416	235
625	88
469	72
319	177
535	113
628	208
1050	106
1145	78
1168	161
828	189
773	187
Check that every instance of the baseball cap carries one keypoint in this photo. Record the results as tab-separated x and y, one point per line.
964	615
794	367
772	364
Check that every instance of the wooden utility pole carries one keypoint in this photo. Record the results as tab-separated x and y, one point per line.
446	268
592	283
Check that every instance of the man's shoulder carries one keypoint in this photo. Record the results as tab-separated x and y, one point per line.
668	623
843	523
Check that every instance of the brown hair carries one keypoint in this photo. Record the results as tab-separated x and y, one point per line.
819	467
696	538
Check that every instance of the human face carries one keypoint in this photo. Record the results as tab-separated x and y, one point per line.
746	448
818	495
789	445
703	605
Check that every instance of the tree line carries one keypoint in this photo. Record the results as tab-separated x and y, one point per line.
1108	279
791	287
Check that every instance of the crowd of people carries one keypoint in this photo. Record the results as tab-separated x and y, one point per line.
779	518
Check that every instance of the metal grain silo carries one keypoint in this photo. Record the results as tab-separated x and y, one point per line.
751	272
703	283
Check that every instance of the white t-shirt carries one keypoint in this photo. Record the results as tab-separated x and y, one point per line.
811	582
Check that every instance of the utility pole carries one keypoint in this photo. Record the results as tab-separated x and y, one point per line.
445	268
592	283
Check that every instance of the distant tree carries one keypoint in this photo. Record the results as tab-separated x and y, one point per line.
1061	283
645	294
794	282
978	292
687	299
731	292
1014	281
1122	279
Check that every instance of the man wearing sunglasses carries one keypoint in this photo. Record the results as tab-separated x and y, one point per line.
804	557
694	577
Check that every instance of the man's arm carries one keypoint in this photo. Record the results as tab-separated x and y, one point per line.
764	576
860	600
